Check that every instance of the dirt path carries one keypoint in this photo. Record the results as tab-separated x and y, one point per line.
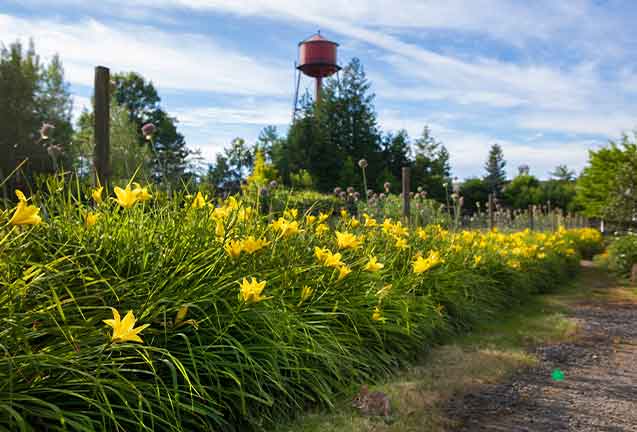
599	389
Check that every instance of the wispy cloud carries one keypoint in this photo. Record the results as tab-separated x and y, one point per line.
187	62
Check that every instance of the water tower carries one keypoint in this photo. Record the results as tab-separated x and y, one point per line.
317	59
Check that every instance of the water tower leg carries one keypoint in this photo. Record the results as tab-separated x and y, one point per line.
319	85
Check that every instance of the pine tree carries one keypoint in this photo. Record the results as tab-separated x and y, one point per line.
396	155
431	169
496	176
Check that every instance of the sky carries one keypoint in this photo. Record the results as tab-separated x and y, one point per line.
545	79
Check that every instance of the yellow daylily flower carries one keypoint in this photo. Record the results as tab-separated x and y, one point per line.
421	264
199	201
310	219
285	227
401	243
370	222
142	193
321	229
250	292
343	271
234	248
97	194
91	219
252	245
323	217
291	214
123	330
377	315
126	198
354	222
25	214
346	240
373	265
344	214
477	260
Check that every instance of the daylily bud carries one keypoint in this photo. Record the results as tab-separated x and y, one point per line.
148	130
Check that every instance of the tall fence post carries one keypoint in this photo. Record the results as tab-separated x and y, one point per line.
531	222
406	181
102	99
491	214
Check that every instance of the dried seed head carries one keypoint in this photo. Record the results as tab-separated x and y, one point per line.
362	163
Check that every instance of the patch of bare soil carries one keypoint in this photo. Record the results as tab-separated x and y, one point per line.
599	389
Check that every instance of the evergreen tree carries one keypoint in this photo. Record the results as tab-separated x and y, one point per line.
348	121
431	169
396	155
267	141
240	159
496	176
563	173
219	173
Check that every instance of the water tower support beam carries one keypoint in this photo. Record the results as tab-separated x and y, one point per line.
319	85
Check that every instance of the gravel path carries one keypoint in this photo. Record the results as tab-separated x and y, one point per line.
599	390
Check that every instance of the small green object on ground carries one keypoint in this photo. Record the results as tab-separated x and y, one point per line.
557	375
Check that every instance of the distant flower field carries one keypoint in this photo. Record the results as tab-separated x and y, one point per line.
232	320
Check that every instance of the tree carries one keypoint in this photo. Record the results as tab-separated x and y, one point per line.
475	192
219	173
606	188
348	126
32	93
396	155
563	173
524	190
496	176
143	104
431	169
267	141
240	159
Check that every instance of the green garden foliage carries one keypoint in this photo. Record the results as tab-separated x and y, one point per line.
220	350
607	186
622	254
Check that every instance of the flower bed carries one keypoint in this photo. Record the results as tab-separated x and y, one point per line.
236	321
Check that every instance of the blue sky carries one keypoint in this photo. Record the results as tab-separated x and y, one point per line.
546	79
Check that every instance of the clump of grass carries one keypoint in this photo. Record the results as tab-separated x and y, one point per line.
212	357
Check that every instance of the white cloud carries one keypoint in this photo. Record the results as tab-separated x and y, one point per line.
610	124
250	113
186	62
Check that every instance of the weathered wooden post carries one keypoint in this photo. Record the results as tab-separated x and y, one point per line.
102	115
491	213
531	222
406	181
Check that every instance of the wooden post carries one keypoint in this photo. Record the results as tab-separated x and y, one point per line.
406	181
531	227
491	213
102	99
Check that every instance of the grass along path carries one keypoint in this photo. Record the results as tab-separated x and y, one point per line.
480	380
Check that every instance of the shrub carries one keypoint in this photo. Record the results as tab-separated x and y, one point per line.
622	254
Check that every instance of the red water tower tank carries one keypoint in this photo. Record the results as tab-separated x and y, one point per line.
317	57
